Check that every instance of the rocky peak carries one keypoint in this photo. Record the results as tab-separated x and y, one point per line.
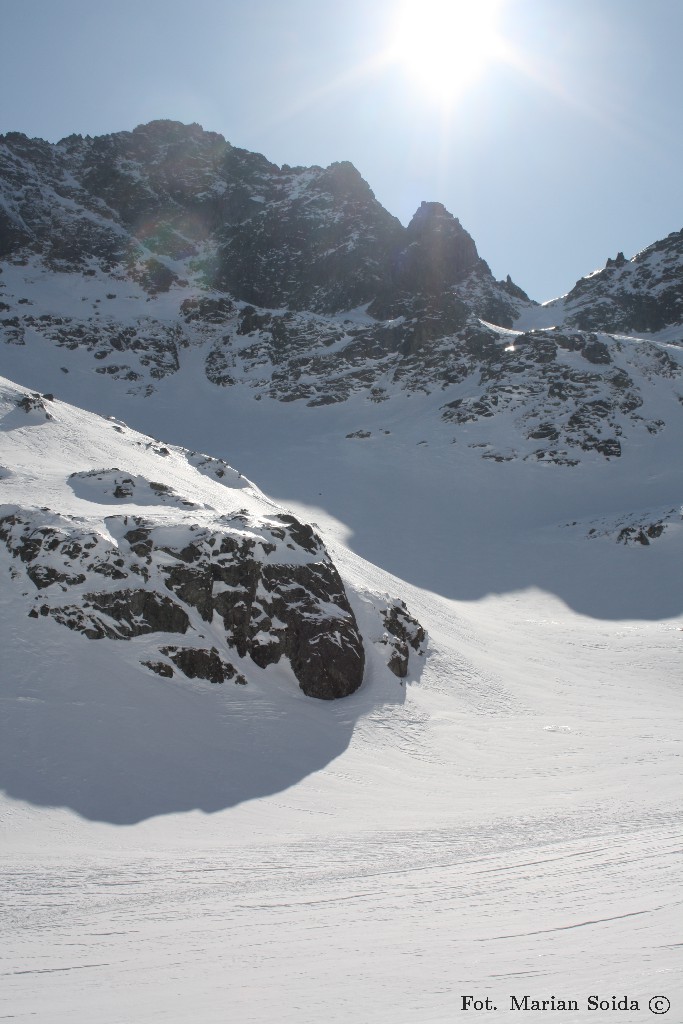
439	251
343	179
430	217
304	238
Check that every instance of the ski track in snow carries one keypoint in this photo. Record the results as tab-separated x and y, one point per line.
280	931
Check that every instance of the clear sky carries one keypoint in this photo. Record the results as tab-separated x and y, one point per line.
551	128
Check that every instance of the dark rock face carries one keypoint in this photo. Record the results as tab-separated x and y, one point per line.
438	252
325	650
306	238
403	633
200	664
160	668
322	243
270	582
123	614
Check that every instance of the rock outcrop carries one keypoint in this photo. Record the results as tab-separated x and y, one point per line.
402	632
267	586
219	587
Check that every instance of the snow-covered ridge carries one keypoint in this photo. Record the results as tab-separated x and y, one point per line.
572	391
643	296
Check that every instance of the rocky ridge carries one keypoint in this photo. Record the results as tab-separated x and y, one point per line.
643	294
169	198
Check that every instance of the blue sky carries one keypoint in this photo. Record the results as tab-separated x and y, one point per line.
554	156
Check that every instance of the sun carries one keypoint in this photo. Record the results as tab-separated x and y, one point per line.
445	45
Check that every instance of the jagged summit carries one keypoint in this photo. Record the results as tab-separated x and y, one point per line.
308	238
439	252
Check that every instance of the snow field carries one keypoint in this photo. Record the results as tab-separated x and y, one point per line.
505	823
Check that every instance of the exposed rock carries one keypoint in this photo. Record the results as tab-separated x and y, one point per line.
45	575
160	668
196	663
268	580
306	238
34	404
437	253
114	486
643	535
404	632
126	613
154	276
639	527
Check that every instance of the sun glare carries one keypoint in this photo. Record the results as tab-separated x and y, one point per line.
444	45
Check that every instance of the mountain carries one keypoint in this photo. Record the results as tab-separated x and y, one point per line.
136	255
168	200
466	523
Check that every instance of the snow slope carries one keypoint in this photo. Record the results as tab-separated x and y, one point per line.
506	823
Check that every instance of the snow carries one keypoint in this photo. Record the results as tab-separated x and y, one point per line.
504	823
538	318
